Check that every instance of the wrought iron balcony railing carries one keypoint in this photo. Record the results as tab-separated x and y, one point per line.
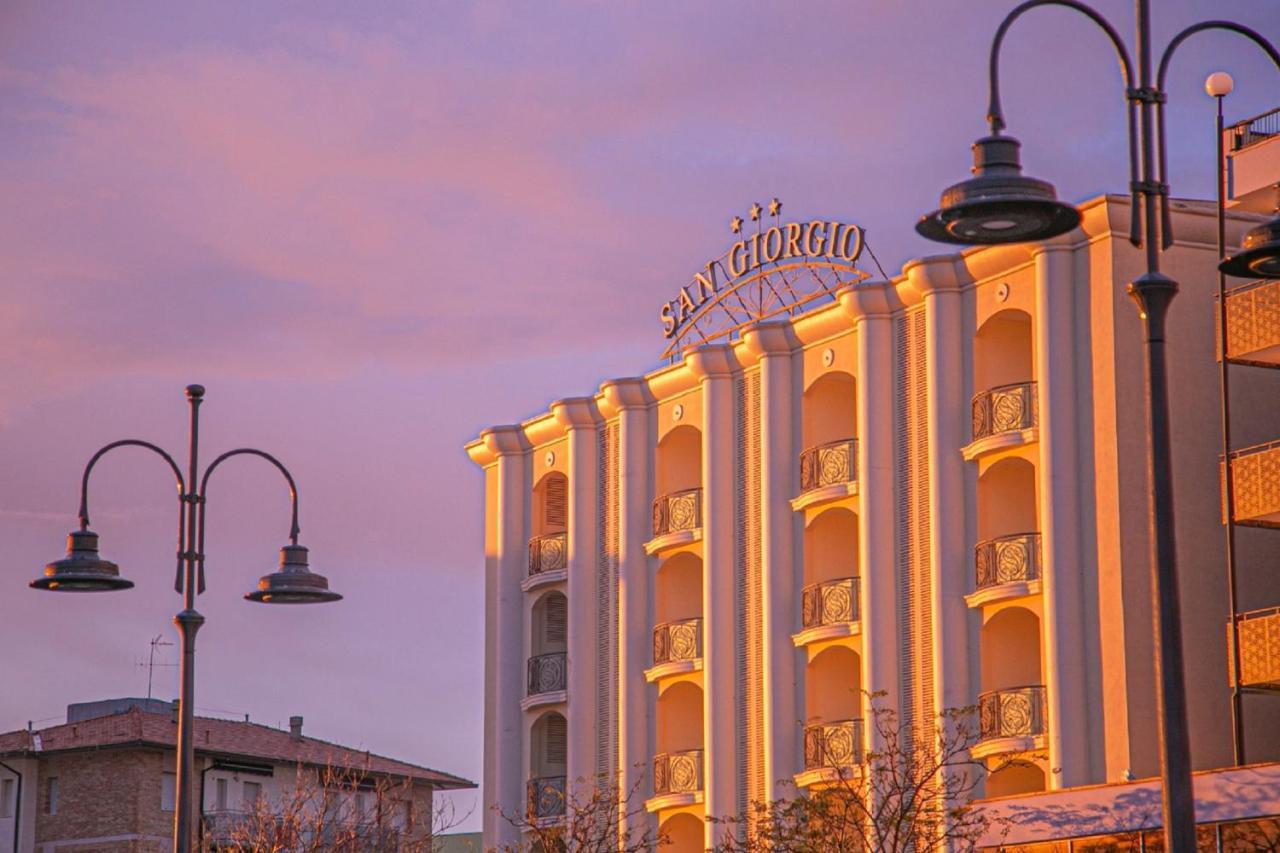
546	796
837	744
829	464
677	511
221	824
1251	131
829	602
546	673
677	641
1007	559
1015	712
677	772
548	553
1253	323
1258	633
1005	409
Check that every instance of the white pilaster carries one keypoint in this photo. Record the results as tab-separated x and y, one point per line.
772	344
1063	630
714	366
579	418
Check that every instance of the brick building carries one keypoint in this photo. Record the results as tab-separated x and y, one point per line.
104	781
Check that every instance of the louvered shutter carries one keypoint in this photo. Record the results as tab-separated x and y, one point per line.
556	626
557	742
556	508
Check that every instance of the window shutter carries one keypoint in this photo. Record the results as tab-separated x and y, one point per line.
557	504
557	741
557	621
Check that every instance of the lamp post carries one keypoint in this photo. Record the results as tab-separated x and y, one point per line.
1000	205
83	570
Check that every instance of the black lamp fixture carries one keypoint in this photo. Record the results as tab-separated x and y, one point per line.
999	204
1260	255
84	570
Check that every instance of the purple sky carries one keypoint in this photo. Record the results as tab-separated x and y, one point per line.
371	232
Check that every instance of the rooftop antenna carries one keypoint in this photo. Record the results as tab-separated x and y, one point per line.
156	641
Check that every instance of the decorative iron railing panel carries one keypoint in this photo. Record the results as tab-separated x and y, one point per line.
548	553
837	744
677	511
546	673
677	772
1004	409
1253	320
1015	712
829	464
546	796
1258	633
829	602
677	641
1007	559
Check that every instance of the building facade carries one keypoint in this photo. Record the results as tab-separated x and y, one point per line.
104	781
931	488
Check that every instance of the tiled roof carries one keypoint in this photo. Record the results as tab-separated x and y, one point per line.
223	738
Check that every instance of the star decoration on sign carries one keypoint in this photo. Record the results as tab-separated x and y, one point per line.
775	207
755	211
735	224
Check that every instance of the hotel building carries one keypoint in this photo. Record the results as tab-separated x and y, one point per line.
932	486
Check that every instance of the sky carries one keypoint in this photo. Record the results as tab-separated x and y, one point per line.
371	231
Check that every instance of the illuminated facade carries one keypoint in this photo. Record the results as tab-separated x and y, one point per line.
932	486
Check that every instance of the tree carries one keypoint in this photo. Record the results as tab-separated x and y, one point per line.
336	810
913	791
595	817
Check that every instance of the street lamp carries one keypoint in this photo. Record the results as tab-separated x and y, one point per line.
84	570
972	213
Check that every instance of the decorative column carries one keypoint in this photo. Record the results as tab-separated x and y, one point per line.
772	344
714	365
870	306
630	401
579	418
937	280
503	451
1063	629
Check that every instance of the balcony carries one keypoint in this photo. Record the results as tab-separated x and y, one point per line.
1253	151
828	472
222	826
828	610
548	560
1003	417
545	798
1006	567
1253	324
677	520
677	780
1251	131
1011	721
1259	635
677	649
832	751
546	680
1255	473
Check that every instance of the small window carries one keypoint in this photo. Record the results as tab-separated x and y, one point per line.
252	793
6	798
168	787
220	795
51	795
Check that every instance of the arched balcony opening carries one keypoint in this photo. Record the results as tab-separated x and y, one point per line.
677	766
548	765
1012	702
1003	375
833	709
830	594
829	432
677	632
1018	777
548	644
684	834
549	515
1008	548
678	482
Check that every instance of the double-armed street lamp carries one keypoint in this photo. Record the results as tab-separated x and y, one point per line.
1000	205
83	570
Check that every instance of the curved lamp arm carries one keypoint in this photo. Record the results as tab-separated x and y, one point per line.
177	475
1257	38
995	115
204	490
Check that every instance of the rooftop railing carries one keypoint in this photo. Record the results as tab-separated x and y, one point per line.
1251	131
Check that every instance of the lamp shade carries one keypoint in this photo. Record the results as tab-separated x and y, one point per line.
82	570
998	204
294	583
1260	255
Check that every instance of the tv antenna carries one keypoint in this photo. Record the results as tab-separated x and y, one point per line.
151	664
